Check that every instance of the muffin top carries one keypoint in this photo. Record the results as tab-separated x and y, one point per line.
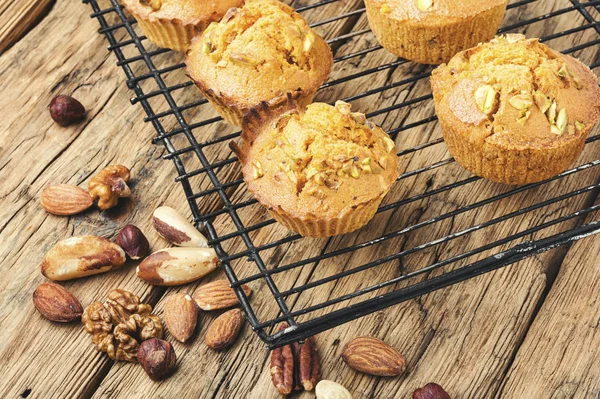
517	93
189	12
434	10
316	163
258	52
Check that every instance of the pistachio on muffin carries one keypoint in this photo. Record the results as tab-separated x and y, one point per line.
259	52
173	23
432	31
320	171
515	111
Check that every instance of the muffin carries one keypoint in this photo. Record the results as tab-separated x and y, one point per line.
431	32
320	171
513	110
259	53
173	23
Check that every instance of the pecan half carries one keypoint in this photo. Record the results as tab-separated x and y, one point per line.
295	366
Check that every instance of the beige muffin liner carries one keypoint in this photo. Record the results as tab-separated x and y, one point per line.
234	112
511	166
343	224
171	34
433	43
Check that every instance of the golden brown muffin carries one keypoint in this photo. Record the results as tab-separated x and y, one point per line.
173	23
260	53
432	31
515	111
320	171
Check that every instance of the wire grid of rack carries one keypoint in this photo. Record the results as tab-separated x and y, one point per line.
253	248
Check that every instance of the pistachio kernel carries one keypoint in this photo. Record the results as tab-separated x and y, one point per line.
343	107
577	83
521	101
524	116
385	9
562	120
579	126
424	5
309	40
207	47
354	172
485	98
242	59
563	72
388	144
552	113
359	117
383	161
542	102
154	4
257	171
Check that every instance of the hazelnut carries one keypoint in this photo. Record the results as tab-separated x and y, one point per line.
157	358
431	391
133	242
65	110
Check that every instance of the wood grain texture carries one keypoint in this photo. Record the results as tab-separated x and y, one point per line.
18	16
464	337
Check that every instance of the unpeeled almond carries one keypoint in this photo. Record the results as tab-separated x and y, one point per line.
372	356
180	316
64	200
224	330
218	295
56	303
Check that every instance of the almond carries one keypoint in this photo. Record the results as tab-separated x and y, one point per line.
224	330
218	295
176	266
55	303
180	316
65	199
373	356
81	256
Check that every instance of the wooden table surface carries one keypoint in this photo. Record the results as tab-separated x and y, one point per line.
530	330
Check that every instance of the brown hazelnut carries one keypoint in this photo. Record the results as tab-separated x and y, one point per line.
431	391
133	242
66	110
157	358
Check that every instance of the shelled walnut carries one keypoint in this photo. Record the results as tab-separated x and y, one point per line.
109	185
120	324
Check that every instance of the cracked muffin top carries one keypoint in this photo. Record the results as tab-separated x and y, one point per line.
434	10
517	93
260	51
189	12
321	162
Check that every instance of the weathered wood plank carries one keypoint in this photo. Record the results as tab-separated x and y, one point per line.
18	17
559	356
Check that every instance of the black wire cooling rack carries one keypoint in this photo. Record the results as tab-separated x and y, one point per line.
437	227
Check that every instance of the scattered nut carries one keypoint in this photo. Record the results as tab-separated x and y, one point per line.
579	126
133	242
65	110
173	227
157	358
224	330
181	316
296	366
120	323
109	185
81	256
327	389
55	303
542	102
430	391
373	356
64	199
521	101
218	295
176	266
561	122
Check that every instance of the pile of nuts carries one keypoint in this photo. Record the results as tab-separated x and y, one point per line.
126	329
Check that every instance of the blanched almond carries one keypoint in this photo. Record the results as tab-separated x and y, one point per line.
176	266
81	256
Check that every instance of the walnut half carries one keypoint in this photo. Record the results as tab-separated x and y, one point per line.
109	185
120	324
